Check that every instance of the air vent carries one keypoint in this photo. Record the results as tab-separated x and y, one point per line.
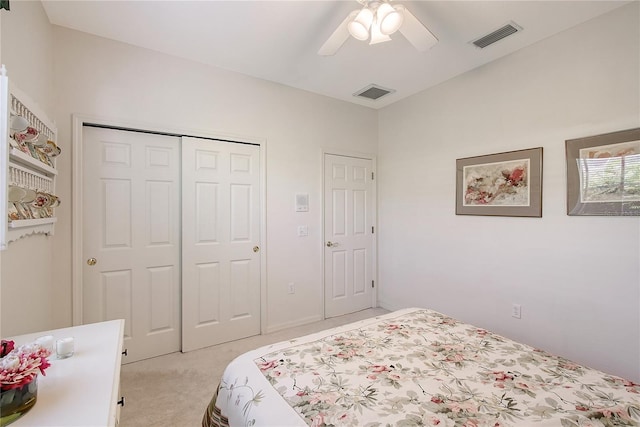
497	35
373	92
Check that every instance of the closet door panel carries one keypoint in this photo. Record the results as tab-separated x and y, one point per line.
221	226
131	237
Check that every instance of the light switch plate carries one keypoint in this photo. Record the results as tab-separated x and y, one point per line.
303	231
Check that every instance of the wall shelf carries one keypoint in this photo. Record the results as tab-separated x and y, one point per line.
24	167
31	222
26	227
18	156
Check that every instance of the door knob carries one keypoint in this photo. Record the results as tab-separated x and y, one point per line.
92	261
256	248
331	244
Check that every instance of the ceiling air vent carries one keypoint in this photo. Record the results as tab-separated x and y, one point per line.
497	35
373	92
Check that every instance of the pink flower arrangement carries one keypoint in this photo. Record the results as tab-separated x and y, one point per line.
19	366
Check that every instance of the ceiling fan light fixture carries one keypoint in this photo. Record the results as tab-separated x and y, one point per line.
374	21
359	26
376	35
390	18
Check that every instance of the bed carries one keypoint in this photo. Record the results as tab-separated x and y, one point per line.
416	367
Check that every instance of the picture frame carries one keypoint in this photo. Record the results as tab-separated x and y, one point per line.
603	174
502	184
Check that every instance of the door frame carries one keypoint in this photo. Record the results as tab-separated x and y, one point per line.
374	221
78	122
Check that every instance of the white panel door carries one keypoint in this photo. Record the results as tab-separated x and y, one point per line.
348	222
131	237
220	242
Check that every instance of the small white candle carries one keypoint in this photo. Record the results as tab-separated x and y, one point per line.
65	347
46	341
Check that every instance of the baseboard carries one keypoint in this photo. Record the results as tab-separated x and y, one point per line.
390	306
294	323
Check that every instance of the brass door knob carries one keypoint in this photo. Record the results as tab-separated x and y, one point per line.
256	248
92	261
331	244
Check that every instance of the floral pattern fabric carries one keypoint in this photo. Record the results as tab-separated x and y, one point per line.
421	368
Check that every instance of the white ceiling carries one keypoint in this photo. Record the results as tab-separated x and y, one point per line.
278	40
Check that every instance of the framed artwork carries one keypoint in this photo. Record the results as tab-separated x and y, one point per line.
603	174
503	184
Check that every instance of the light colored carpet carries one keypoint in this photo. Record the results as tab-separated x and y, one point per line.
174	390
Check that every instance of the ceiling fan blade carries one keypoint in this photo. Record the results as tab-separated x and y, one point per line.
337	39
417	34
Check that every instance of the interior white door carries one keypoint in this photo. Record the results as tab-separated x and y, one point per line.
348	229
131	237
220	242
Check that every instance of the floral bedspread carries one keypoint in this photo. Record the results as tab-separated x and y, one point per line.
417	367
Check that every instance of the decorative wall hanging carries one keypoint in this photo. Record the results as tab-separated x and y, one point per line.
503	184
603	174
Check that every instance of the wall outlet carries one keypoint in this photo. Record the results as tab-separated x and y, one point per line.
292	288
516	311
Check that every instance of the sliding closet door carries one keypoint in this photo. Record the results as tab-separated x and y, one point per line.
220	242
131	237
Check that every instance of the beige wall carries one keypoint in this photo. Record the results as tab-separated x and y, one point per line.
577	278
26	269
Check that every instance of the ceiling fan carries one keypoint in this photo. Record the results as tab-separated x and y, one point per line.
376	21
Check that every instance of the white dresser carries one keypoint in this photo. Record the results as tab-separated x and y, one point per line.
82	390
